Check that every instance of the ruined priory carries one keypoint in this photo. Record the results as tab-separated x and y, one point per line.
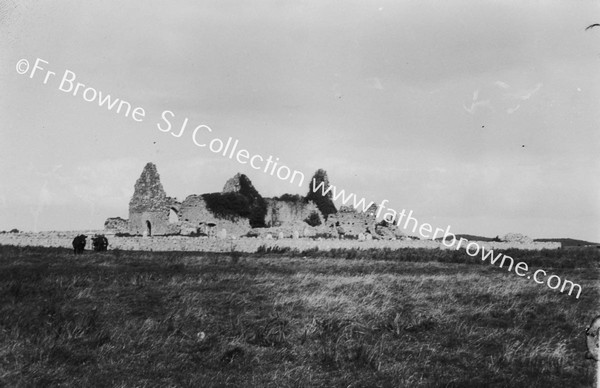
238	211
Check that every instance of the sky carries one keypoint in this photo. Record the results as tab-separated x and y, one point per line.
482	116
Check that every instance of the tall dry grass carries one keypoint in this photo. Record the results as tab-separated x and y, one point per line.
407	318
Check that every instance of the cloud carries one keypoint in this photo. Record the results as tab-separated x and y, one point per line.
475	105
526	94
44	199
513	110
375	83
105	182
501	84
521	95
50	174
438	169
509	100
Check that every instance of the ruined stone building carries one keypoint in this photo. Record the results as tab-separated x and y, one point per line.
151	212
285	211
233	212
347	221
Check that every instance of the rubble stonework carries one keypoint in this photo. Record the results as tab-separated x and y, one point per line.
195	216
281	212
116	225
150	208
204	244
349	222
233	185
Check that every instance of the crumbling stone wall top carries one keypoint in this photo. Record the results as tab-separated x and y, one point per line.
116	224
346	209
233	185
149	194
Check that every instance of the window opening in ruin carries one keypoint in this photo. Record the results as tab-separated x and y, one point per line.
173	216
148	228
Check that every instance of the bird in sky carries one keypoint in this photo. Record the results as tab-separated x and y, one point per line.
592	26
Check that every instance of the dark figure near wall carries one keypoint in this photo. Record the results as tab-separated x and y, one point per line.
79	244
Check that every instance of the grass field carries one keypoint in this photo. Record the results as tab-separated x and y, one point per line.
405	318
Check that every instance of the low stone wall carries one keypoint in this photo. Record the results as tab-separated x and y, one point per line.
205	244
534	245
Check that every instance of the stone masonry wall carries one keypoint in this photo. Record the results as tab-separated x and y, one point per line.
288	212
352	222
194	212
204	244
149	206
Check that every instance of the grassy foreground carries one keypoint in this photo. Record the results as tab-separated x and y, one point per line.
404	318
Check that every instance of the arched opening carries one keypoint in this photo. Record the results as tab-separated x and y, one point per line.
173	216
148	228
210	230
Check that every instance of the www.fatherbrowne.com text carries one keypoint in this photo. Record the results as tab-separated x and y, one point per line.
472	248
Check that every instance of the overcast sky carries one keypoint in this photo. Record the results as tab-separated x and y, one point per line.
479	115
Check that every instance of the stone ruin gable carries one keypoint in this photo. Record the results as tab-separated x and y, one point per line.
196	217
233	185
287	213
242	185
151	212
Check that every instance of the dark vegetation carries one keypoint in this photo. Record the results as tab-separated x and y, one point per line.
252	234
125	234
14	230
230	206
568	242
258	205
247	203
323	202
383	223
295	198
197	233
545	258
313	219
565	242
471	237
281	318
